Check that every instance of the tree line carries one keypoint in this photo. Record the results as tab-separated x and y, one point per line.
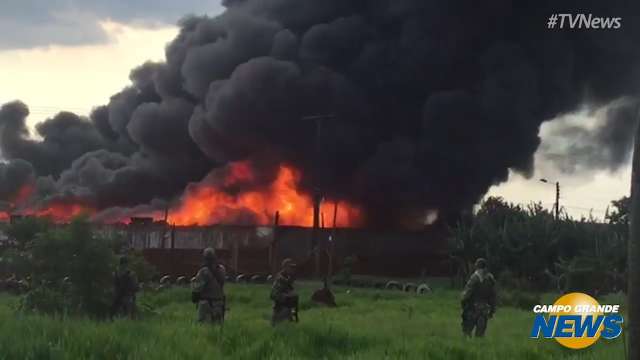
529	249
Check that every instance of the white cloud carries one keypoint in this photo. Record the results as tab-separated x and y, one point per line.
78	78
584	191
39	23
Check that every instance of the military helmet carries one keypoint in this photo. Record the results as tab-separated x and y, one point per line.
209	253
481	263
288	262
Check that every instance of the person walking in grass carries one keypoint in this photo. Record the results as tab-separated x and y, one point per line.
283	295
208	289
125	289
478	300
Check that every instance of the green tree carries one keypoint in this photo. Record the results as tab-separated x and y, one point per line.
16	259
530	250
23	231
620	213
76	263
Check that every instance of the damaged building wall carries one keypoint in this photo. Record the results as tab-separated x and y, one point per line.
251	249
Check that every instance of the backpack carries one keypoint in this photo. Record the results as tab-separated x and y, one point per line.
485	288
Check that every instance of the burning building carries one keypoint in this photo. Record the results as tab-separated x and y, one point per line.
177	250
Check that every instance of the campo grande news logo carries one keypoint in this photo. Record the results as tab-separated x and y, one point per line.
577	321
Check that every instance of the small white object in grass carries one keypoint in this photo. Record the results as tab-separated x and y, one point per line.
423	289
349	291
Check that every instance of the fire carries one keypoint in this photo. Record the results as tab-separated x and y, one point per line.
208	204
22	195
222	201
60	212
57	211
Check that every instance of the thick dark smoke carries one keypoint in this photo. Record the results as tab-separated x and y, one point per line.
432	102
64	138
14	177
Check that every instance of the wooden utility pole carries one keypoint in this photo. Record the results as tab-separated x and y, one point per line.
556	205
557	200
173	236
314	234
273	257
633	261
318	184
331	251
166	229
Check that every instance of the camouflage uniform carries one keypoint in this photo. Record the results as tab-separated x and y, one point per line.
208	286
126	287
478	300
282	293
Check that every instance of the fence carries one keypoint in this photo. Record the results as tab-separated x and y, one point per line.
256	250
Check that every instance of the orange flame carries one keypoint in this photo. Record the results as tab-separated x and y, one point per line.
60	212
207	204
22	195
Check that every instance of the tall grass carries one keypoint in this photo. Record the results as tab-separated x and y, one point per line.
368	324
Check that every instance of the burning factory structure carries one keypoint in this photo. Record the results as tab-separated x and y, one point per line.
254	230
176	250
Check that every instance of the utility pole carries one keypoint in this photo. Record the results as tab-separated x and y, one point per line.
273	247
557	200
317	183
556	206
633	259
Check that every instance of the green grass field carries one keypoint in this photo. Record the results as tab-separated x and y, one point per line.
368	324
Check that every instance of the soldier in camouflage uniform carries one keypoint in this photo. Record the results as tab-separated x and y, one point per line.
285	300
478	300
126	287
207	290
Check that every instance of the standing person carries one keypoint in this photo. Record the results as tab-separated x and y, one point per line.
208	289
125	289
285	300
478	300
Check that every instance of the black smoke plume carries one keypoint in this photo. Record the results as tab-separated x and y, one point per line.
432	102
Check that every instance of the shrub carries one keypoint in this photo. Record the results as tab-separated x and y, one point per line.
144	271
518	299
73	252
344	276
25	230
48	299
14	261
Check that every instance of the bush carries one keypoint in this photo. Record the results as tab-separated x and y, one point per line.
25	230
518	299
73	252
145	272
344	276
508	280
14	261
48	300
